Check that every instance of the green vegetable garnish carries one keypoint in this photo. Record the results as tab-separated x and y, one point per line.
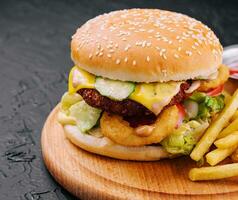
74	110
183	139
207	105
86	116
114	89
68	100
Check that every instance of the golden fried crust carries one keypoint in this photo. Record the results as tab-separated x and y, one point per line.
223	75
119	131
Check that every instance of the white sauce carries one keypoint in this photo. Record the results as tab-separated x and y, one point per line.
144	131
195	85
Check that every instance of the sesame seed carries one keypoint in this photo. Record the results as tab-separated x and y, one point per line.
98	46
127	47
90	56
176	55
126	59
158	36
148	44
109	55
148	58
134	63
162	51
179	48
143	43
118	61
189	53
214	51
109	46
157	48
164	56
150	31
131	28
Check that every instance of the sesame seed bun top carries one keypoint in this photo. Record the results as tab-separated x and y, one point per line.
146	45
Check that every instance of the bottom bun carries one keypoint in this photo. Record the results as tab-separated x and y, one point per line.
104	146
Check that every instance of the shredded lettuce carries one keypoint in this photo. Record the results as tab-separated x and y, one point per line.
207	105
183	139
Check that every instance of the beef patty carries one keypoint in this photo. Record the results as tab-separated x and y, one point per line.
133	112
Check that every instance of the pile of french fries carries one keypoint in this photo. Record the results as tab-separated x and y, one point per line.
223	133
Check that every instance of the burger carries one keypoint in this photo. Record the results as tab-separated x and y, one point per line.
145	86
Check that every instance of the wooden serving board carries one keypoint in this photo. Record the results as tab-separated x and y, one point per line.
90	176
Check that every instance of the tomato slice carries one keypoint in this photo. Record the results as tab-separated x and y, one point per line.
233	71
215	92
182	114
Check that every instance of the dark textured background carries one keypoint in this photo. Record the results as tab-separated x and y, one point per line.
34	63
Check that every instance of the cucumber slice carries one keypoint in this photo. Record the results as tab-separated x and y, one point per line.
85	115
116	90
79	78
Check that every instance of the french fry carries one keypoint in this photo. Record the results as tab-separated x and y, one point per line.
233	126
235	116
213	173
212	132
227	96
228	141
234	156
218	155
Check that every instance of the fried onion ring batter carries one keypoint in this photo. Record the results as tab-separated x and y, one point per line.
119	130
223	75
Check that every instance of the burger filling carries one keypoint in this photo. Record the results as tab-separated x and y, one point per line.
132	111
174	114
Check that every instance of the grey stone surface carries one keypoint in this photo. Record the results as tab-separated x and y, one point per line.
34	64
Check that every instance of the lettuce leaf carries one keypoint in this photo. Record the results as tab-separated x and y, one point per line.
208	105
183	139
67	100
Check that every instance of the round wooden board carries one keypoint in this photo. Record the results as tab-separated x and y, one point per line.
89	176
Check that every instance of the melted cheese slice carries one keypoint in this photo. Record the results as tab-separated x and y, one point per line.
79	79
154	96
